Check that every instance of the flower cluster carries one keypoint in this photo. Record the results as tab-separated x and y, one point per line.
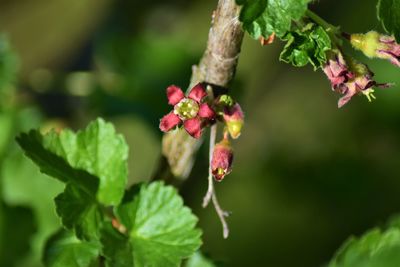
233	117
198	110
349	77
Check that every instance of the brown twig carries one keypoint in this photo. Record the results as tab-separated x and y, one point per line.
211	194
217	66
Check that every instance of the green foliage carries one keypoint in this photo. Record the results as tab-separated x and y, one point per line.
91	162
155	228
78	210
23	184
64	249
8	66
97	150
308	45
6	126
115	247
161	230
376	248
389	15
93	159
264	17
198	260
17	225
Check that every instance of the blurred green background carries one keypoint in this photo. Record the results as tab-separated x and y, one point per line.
306	175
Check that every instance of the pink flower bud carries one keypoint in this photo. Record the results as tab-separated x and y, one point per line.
221	163
234	119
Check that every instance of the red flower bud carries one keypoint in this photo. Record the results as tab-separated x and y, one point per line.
221	163
234	119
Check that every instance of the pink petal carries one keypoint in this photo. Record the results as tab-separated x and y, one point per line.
169	121
349	93
343	101
197	93
174	95
193	127
206	112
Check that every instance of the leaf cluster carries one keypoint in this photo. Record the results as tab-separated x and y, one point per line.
306	45
265	17
147	225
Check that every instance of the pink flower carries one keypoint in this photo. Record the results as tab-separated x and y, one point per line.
361	83
350	78
336	69
234	119
373	44
221	162
187	110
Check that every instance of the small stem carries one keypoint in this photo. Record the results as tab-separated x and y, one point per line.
221	214
320	21
346	36
333	31
210	190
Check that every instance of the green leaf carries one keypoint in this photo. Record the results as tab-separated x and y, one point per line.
80	212
389	16
116	247
376	248
64	249
198	260
91	162
93	159
308	45
264	17
161	230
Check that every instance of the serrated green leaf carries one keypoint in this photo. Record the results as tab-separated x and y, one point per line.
308	45
80	212
55	166
264	17
64	249
97	150
161	230
389	16
91	162
93	159
116	247
376	248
